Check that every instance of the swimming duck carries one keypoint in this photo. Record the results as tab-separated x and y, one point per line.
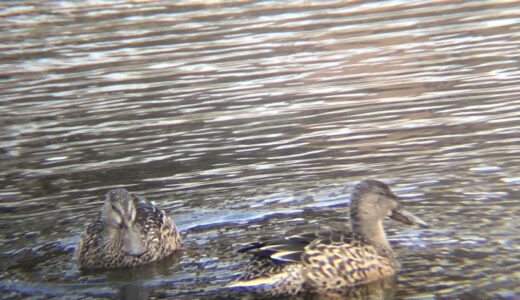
130	231
331	260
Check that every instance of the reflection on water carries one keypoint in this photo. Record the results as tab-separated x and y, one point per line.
245	119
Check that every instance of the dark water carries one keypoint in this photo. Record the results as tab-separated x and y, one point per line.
251	118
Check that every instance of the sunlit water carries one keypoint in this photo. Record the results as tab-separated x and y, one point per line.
245	119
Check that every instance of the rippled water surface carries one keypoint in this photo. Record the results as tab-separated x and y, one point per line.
244	119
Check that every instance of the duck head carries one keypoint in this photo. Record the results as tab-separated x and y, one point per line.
119	215
372	201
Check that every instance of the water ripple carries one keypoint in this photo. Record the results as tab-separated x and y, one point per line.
244	118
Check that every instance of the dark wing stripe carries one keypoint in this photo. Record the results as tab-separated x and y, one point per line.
291	248
251	247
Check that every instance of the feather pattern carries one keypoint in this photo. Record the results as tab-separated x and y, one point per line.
322	260
101	247
328	260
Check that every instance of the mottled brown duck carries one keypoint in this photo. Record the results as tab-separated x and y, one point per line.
331	260
129	231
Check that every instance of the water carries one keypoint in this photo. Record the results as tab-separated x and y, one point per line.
252	118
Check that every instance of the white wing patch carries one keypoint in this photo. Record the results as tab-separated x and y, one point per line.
281	255
258	282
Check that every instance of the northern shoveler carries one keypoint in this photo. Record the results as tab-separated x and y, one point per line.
331	260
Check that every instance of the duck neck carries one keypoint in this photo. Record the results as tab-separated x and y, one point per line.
371	231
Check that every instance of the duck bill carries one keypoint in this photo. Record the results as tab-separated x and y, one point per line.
407	217
132	243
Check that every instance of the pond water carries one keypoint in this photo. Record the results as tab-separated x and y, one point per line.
244	119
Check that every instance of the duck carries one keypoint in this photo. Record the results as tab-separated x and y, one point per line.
331	260
129	231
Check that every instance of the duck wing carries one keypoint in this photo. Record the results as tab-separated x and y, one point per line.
290	249
156	226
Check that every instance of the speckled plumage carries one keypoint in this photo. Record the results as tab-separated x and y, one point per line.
101	246
333	260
